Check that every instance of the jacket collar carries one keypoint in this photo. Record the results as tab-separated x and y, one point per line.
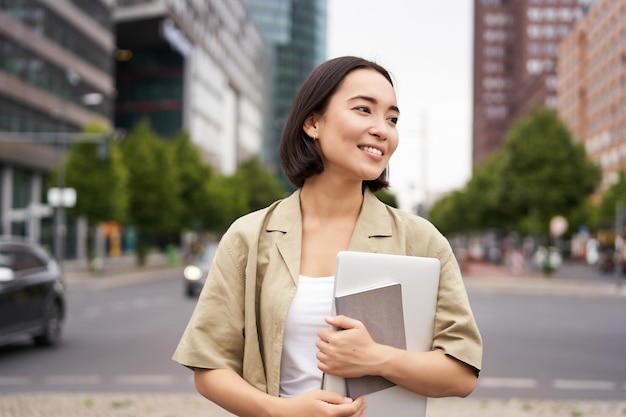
374	221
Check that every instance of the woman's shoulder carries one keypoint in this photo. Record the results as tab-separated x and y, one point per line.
412	220
253	223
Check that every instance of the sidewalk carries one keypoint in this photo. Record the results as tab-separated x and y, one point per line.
120	271
191	405
571	279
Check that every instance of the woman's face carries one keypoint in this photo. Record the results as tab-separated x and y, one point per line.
357	133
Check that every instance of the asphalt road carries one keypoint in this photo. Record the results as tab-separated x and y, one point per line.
116	339
551	349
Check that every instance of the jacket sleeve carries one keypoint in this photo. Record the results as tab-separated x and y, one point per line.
455	331
214	336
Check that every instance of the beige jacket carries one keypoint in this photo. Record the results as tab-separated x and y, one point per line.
239	320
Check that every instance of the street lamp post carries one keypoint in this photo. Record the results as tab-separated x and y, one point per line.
62	197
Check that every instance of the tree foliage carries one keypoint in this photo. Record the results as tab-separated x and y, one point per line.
260	186
538	173
614	195
476	207
387	197
100	180
154	188
545	173
193	176
226	202
163	187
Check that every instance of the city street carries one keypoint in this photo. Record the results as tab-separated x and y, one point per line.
116	339
119	338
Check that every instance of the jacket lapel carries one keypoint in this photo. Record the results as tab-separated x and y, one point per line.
287	219
374	221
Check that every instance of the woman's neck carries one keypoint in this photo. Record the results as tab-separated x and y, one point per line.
326	201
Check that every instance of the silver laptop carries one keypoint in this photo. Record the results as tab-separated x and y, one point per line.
419	281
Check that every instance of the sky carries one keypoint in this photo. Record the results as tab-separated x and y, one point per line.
426	45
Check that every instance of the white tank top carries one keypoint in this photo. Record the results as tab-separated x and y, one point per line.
298	365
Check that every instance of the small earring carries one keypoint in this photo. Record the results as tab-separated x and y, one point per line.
314	136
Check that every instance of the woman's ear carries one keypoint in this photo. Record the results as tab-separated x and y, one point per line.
310	126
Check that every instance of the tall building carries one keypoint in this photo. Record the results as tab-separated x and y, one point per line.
515	48
592	86
193	65
295	36
56	75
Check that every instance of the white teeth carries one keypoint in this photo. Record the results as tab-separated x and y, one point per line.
372	150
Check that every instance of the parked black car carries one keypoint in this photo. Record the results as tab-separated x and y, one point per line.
32	293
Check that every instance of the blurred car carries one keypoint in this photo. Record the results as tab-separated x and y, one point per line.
196	271
32	293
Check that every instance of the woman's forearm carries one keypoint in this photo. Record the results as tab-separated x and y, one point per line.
433	374
227	389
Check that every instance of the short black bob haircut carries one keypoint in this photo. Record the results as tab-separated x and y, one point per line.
298	154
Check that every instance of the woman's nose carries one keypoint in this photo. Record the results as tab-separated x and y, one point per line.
380	129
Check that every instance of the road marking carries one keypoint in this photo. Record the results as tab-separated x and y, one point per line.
574	384
163	380
145	379
487	382
73	380
13	381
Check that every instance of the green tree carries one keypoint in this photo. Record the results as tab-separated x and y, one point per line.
153	183
226	202
259	185
476	207
387	197
100	180
615	194
445	213
481	208
194	176
250	188
544	172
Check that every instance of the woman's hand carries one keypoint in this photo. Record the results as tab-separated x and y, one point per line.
347	350
322	403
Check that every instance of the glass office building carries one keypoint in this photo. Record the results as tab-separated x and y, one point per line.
193	65
56	75
295	35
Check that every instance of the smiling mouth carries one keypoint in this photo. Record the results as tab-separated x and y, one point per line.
371	150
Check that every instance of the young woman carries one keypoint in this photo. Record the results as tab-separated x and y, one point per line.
261	336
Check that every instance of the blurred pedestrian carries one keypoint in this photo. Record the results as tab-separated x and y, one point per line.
260	336
517	261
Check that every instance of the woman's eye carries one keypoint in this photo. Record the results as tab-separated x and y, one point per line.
393	120
363	109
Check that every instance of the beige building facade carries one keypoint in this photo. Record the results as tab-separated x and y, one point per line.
592	86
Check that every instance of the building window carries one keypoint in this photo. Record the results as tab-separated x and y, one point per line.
493	51
497	112
491	3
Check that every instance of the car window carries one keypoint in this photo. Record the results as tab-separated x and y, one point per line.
20	260
7	259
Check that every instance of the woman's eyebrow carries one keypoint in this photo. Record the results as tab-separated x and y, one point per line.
373	101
